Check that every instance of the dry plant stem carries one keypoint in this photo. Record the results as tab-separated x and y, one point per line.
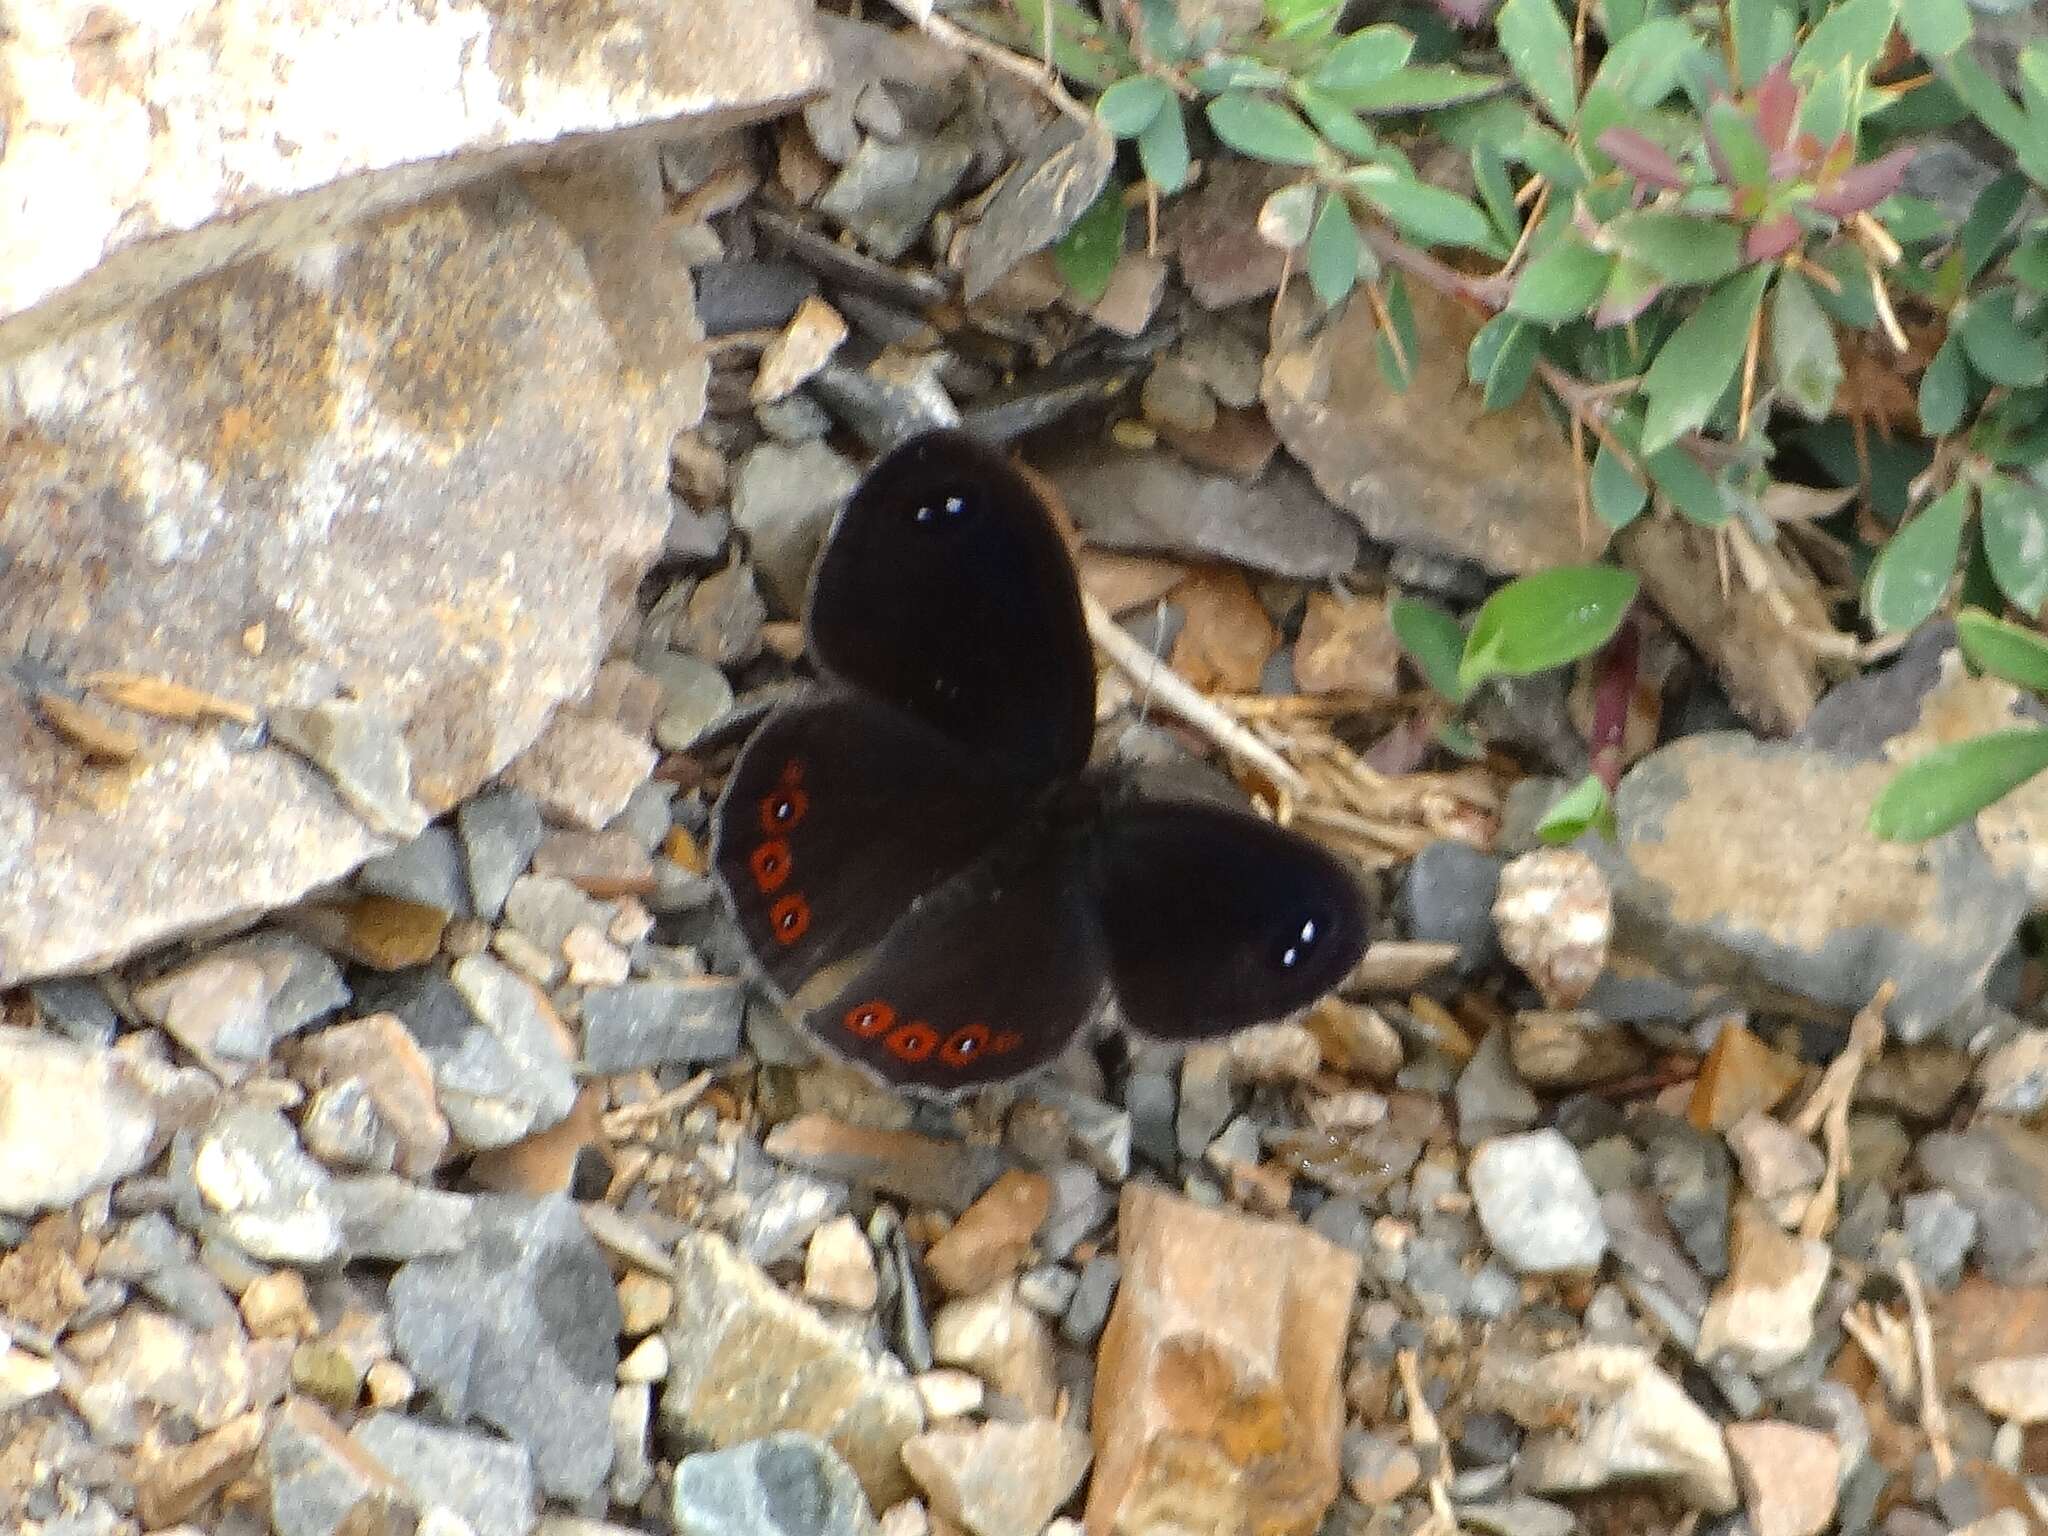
1933	1417
627	1119
1178	697
1042	77
1749	360
1828	1110
1883	1339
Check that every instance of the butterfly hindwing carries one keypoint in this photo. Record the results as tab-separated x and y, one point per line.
946	591
993	976
839	814
1215	919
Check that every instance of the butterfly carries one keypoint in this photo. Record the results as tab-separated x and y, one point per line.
917	853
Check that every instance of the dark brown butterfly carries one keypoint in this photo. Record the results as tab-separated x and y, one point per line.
920	858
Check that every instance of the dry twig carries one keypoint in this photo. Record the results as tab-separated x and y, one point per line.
1933	1416
1828	1110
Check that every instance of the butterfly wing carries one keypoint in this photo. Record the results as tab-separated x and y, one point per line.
1215	919
946	591
840	813
992	977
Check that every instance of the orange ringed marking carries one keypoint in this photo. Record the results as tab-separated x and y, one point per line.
868	1020
782	809
964	1046
789	917
913	1041
771	864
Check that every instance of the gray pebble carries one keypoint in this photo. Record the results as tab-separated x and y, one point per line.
694	697
1939	1232
499	832
787	1484
486	1481
428	872
1088	1312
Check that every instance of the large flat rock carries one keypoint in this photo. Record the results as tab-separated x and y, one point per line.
429	462
144	144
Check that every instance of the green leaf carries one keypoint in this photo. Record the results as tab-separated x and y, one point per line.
1648	65
1538	46
1163	151
1542	621
1088	253
1825	112
1618	496
1344	129
1694	492
1286	214
1949	785
2015	517
1804	356
1398	368
1310	19
1730	130
1562	282
1420	88
1851	33
1935	28
1912	571
2029	262
1996	345
1129	106
1424	212
1630	288
1262	129
2004	649
1945	389
1364	59
1990	217
1582	808
2025	135
1761	28
1677	248
1490	176
1695	366
1512	369
1433	640
1333	251
1235	72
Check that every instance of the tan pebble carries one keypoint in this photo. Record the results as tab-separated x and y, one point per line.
949	1394
1276	1053
645	1302
594	961
526	957
276	1306
466	936
992	1238
647	1363
2014	1387
389	1384
632	923
1787	1474
256	639
839	1266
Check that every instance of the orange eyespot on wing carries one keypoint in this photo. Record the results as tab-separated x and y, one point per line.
868	1020
770	862
964	1045
782	809
789	918
913	1041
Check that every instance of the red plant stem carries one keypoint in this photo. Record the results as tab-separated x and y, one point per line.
1614	688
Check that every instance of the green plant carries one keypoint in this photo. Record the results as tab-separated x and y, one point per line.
1688	229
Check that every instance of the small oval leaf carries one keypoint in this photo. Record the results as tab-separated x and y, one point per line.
1949	785
1263	129
1913	570
2015	518
1582	808
1545	620
2004	649
1128	107
1433	640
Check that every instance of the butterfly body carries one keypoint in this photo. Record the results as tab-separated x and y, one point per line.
919	856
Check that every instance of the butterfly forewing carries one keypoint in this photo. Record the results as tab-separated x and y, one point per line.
994	975
945	590
1216	919
839	814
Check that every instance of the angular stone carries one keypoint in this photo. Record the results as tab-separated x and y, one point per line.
783	499
427	872
661	1023
786	1484
1740	1076
216	1008
916	1168
1217	1402
324	1484
500	832
171	1485
998	1479
738	1343
510	1076
1057	176
1427	467
1787	1474
1539	1210
888	193
1762	1314
72	1119
992	1238
378	1052
839	1266
2014	1387
1631	1421
274	1201
1555	919
582	770
487	1482
462	590
1005	1343
275	149
1752	863
521	1331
